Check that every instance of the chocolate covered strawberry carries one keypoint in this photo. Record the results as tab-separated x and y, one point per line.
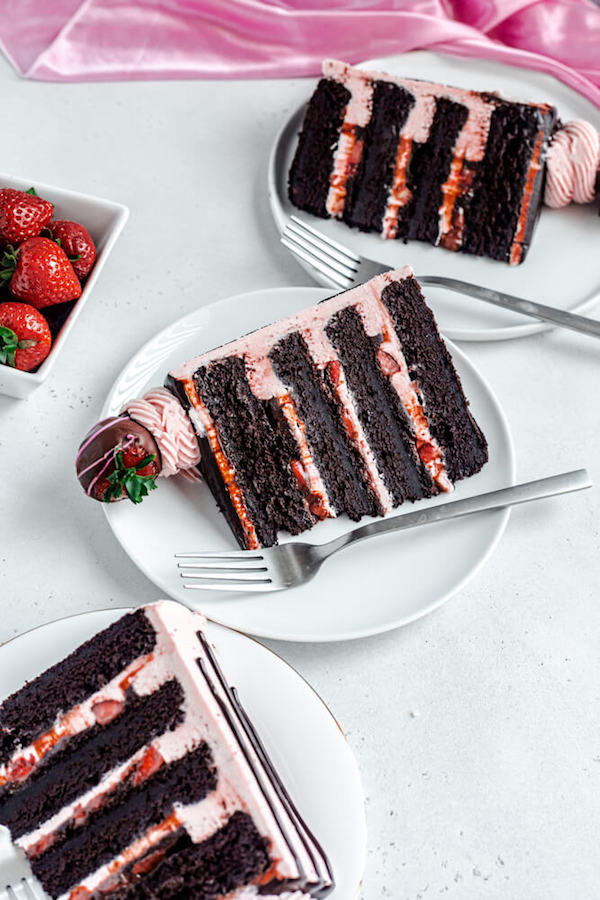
118	459
22	215
39	272
25	338
77	244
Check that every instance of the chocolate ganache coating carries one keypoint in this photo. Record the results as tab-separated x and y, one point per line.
99	459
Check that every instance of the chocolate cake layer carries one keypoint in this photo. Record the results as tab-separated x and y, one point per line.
83	850
309	176
33	710
492	214
382	416
208	469
429	169
258	446
368	190
78	763
336	459
231	858
451	423
416	160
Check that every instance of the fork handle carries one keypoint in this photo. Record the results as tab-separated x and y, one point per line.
517	304
519	493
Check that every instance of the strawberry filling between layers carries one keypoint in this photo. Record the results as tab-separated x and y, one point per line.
516	250
240	787
305	471
139	860
225	468
139	768
348	152
100	709
108	876
355	432
451	190
399	194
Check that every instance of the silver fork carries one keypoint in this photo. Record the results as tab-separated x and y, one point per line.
25	889
288	565
345	269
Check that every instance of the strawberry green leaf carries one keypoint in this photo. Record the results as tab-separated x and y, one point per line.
146	461
9	344
125	479
8	263
31	191
112	492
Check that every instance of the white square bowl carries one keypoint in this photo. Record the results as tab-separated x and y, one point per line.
104	220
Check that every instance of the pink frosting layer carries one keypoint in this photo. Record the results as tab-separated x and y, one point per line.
472	138
470	143
255	348
162	414
572	164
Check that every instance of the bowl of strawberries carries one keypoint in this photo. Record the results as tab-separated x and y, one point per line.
53	245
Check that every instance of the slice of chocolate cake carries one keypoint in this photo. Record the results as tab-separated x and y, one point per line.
415	160
350	407
130	770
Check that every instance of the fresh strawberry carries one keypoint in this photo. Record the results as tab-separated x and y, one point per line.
40	272
22	214
25	338
77	244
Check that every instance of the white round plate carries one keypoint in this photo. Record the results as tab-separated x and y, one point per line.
306	743
561	268
384	583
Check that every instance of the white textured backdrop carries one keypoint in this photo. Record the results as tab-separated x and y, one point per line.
476	729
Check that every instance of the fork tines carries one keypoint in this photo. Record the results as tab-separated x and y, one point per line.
222	570
26	889
331	259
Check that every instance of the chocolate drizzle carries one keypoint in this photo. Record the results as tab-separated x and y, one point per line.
239	721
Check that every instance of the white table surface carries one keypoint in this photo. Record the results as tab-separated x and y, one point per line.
476	729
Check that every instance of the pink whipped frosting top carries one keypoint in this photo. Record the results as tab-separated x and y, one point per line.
164	417
572	164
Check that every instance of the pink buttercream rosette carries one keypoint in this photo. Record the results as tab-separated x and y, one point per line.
572	165
164	417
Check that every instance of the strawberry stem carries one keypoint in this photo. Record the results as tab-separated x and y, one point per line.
9	344
8	263
126	478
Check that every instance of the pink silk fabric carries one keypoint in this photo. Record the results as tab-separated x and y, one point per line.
71	40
